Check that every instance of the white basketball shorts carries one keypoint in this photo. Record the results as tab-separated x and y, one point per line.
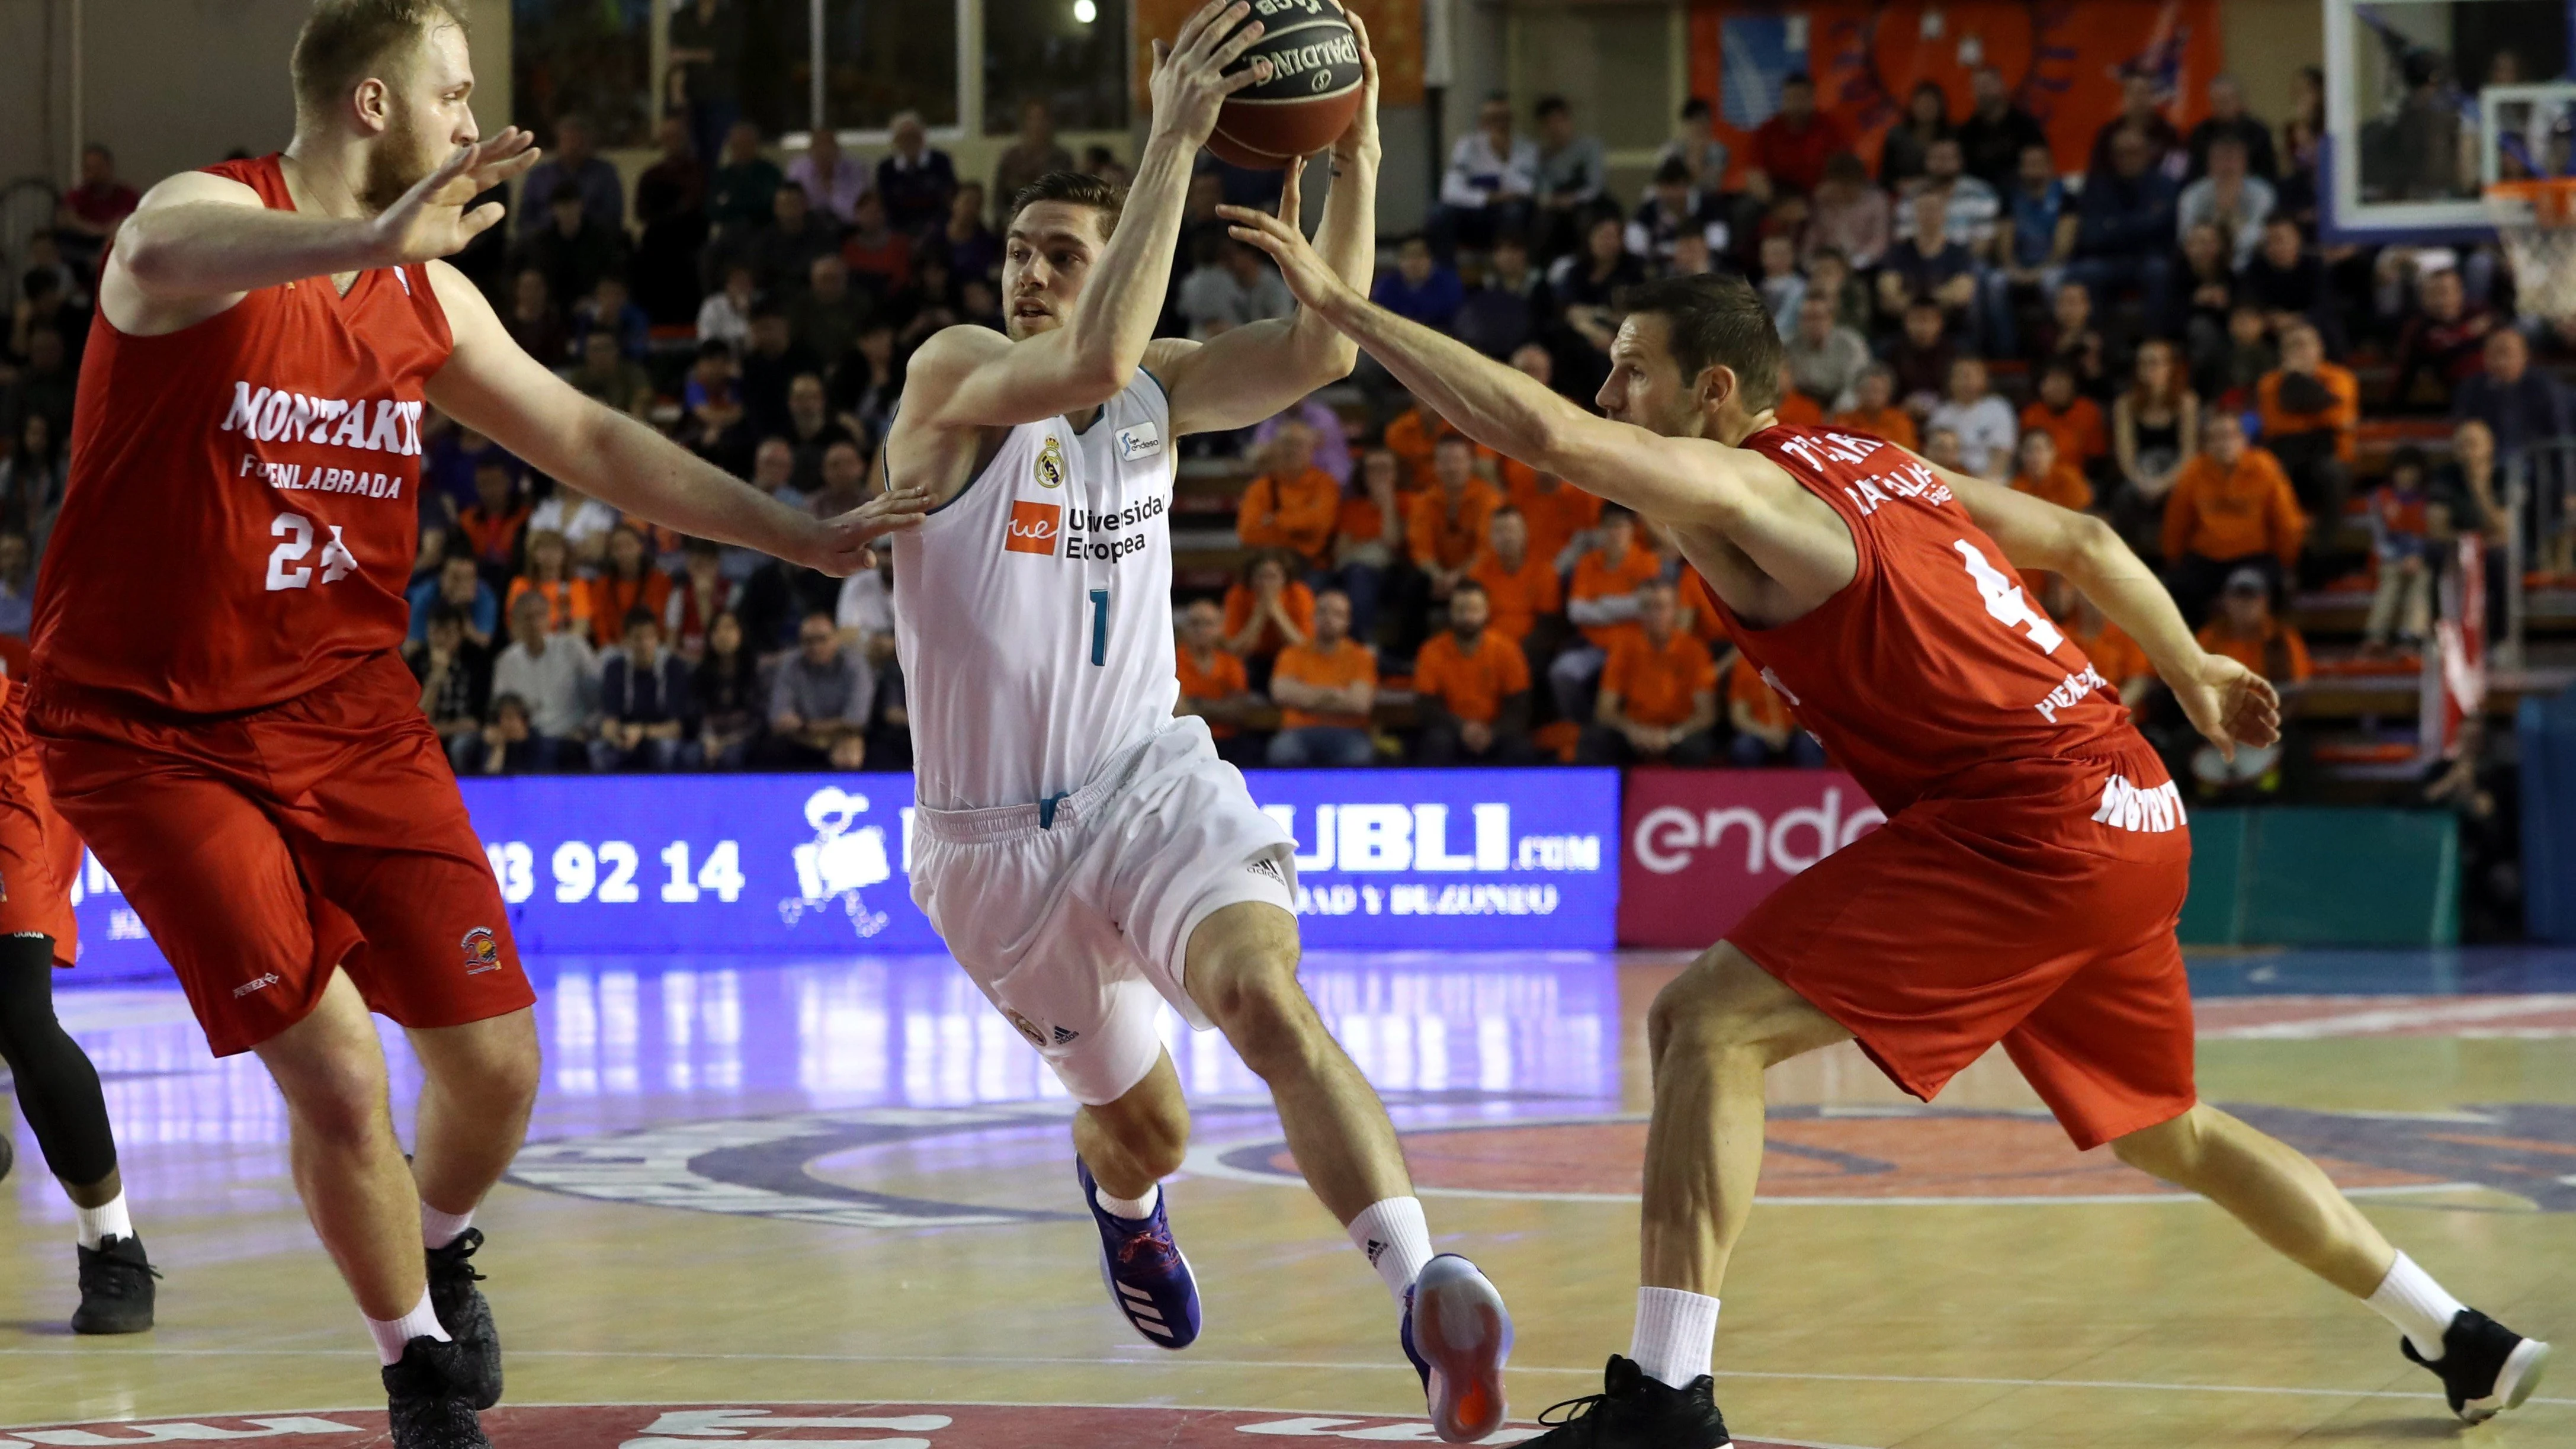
1076	921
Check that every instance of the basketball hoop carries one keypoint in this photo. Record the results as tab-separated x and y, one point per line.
2536	219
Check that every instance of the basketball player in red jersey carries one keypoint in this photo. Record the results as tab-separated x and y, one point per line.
2025	887
216	687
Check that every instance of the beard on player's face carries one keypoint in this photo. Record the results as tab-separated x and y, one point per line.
400	157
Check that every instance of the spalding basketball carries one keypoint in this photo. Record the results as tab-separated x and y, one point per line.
1312	93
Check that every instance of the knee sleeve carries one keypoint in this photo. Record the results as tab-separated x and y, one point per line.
57	1087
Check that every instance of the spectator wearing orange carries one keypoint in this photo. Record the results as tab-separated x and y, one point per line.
1367	532
2311	415
1294	505
548	576
1603	603
2038	472
493	521
1764	732
2246	631
1415	438
1557	511
1700	614
1266	611
1213	684
2114	654
1874	409
630	582
1447	522
1794	407
1658	702
2083	435
1325	689
1520	588
1471	688
2231	508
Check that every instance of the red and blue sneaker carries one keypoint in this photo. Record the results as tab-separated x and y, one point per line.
1146	1275
1458	1335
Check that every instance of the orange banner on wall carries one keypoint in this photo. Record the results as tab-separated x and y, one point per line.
2063	60
1394	27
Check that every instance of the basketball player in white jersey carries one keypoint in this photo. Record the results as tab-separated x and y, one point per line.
1085	854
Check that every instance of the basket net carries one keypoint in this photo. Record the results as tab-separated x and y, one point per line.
2536	220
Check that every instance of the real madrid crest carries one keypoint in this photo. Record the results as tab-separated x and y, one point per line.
1027	1028
1050	464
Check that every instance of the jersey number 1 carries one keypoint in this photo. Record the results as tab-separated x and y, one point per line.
1100	626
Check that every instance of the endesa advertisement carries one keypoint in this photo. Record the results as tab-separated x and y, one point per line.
1387	860
1703	847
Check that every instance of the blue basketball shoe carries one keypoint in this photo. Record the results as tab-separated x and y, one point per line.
1146	1275
1458	1335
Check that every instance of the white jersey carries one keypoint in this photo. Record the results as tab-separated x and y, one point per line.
1033	611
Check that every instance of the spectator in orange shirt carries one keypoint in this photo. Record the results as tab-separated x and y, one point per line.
1794	407
1874	409
1557	511
1367	534
1213	684
1658	702
1520	588
1325	689
630	582
1471	689
492	522
2311	414
2232	508
1765	733
2074	420
548	576
2114	654
1415	438
1699	611
2246	631
1603	603
1294	505
1266	611
1446	526
2043	473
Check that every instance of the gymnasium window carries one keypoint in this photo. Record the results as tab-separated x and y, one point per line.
1069	53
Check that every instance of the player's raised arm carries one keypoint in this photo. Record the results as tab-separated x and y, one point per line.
2227	702
199	242
973	377
1251	373
490	384
1505	409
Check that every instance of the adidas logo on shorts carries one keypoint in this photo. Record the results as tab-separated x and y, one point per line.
1269	867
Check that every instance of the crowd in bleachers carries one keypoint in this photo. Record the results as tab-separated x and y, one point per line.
2160	339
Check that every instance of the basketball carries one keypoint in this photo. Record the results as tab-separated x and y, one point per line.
1312	93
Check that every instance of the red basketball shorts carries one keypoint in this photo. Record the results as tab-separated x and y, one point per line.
262	850
2040	916
39	854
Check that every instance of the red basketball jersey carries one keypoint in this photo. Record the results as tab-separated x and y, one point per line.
1932	673
243	504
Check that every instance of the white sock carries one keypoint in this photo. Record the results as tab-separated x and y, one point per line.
1397	1240
105	1221
1676	1337
2409	1298
392	1333
438	1229
1135	1210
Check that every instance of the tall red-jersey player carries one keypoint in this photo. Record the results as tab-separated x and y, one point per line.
216	688
2025	887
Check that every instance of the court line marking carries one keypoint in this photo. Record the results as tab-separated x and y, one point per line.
2129	1385
2390	1018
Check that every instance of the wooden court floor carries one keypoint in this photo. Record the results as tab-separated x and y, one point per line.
831	1203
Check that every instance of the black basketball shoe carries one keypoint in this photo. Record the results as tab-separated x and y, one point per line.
2485	1367
428	1399
1637	1412
116	1288
466	1317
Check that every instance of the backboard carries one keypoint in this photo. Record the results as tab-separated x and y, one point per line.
2409	142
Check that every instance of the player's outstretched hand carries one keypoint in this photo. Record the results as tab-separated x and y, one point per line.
841	546
2230	704
1361	138
1309	279
1190	83
431	220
